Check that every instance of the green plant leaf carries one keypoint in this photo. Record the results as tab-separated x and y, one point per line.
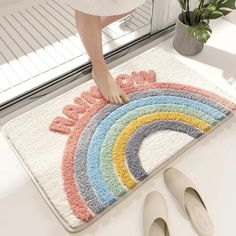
214	15
210	7
206	11
201	32
226	4
206	21
183	4
215	9
225	12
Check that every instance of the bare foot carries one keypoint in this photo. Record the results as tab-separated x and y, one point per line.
108	87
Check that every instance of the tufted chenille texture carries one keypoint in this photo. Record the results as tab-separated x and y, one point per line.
85	154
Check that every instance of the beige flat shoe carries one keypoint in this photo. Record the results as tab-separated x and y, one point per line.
155	215
189	198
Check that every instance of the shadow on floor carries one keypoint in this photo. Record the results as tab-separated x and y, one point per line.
220	59
231	17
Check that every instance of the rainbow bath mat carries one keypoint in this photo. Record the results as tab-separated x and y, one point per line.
85	154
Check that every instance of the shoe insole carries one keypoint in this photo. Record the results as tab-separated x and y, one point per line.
198	215
158	228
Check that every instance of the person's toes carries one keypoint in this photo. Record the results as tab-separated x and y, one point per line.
115	99
107	98
112	99
124	96
119	99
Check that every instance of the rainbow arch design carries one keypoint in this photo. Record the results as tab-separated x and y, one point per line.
101	159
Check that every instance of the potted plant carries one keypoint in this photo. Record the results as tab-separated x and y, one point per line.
192	27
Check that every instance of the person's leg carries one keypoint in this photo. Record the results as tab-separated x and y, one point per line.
90	31
106	20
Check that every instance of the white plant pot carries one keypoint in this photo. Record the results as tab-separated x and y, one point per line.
183	42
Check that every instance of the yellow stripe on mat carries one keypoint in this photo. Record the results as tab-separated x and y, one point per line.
118	152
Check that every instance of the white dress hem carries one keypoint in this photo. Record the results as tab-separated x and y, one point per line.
104	7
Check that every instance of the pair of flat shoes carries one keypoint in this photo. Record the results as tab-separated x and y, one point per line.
155	214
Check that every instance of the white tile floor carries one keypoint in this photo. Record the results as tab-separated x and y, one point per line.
210	164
